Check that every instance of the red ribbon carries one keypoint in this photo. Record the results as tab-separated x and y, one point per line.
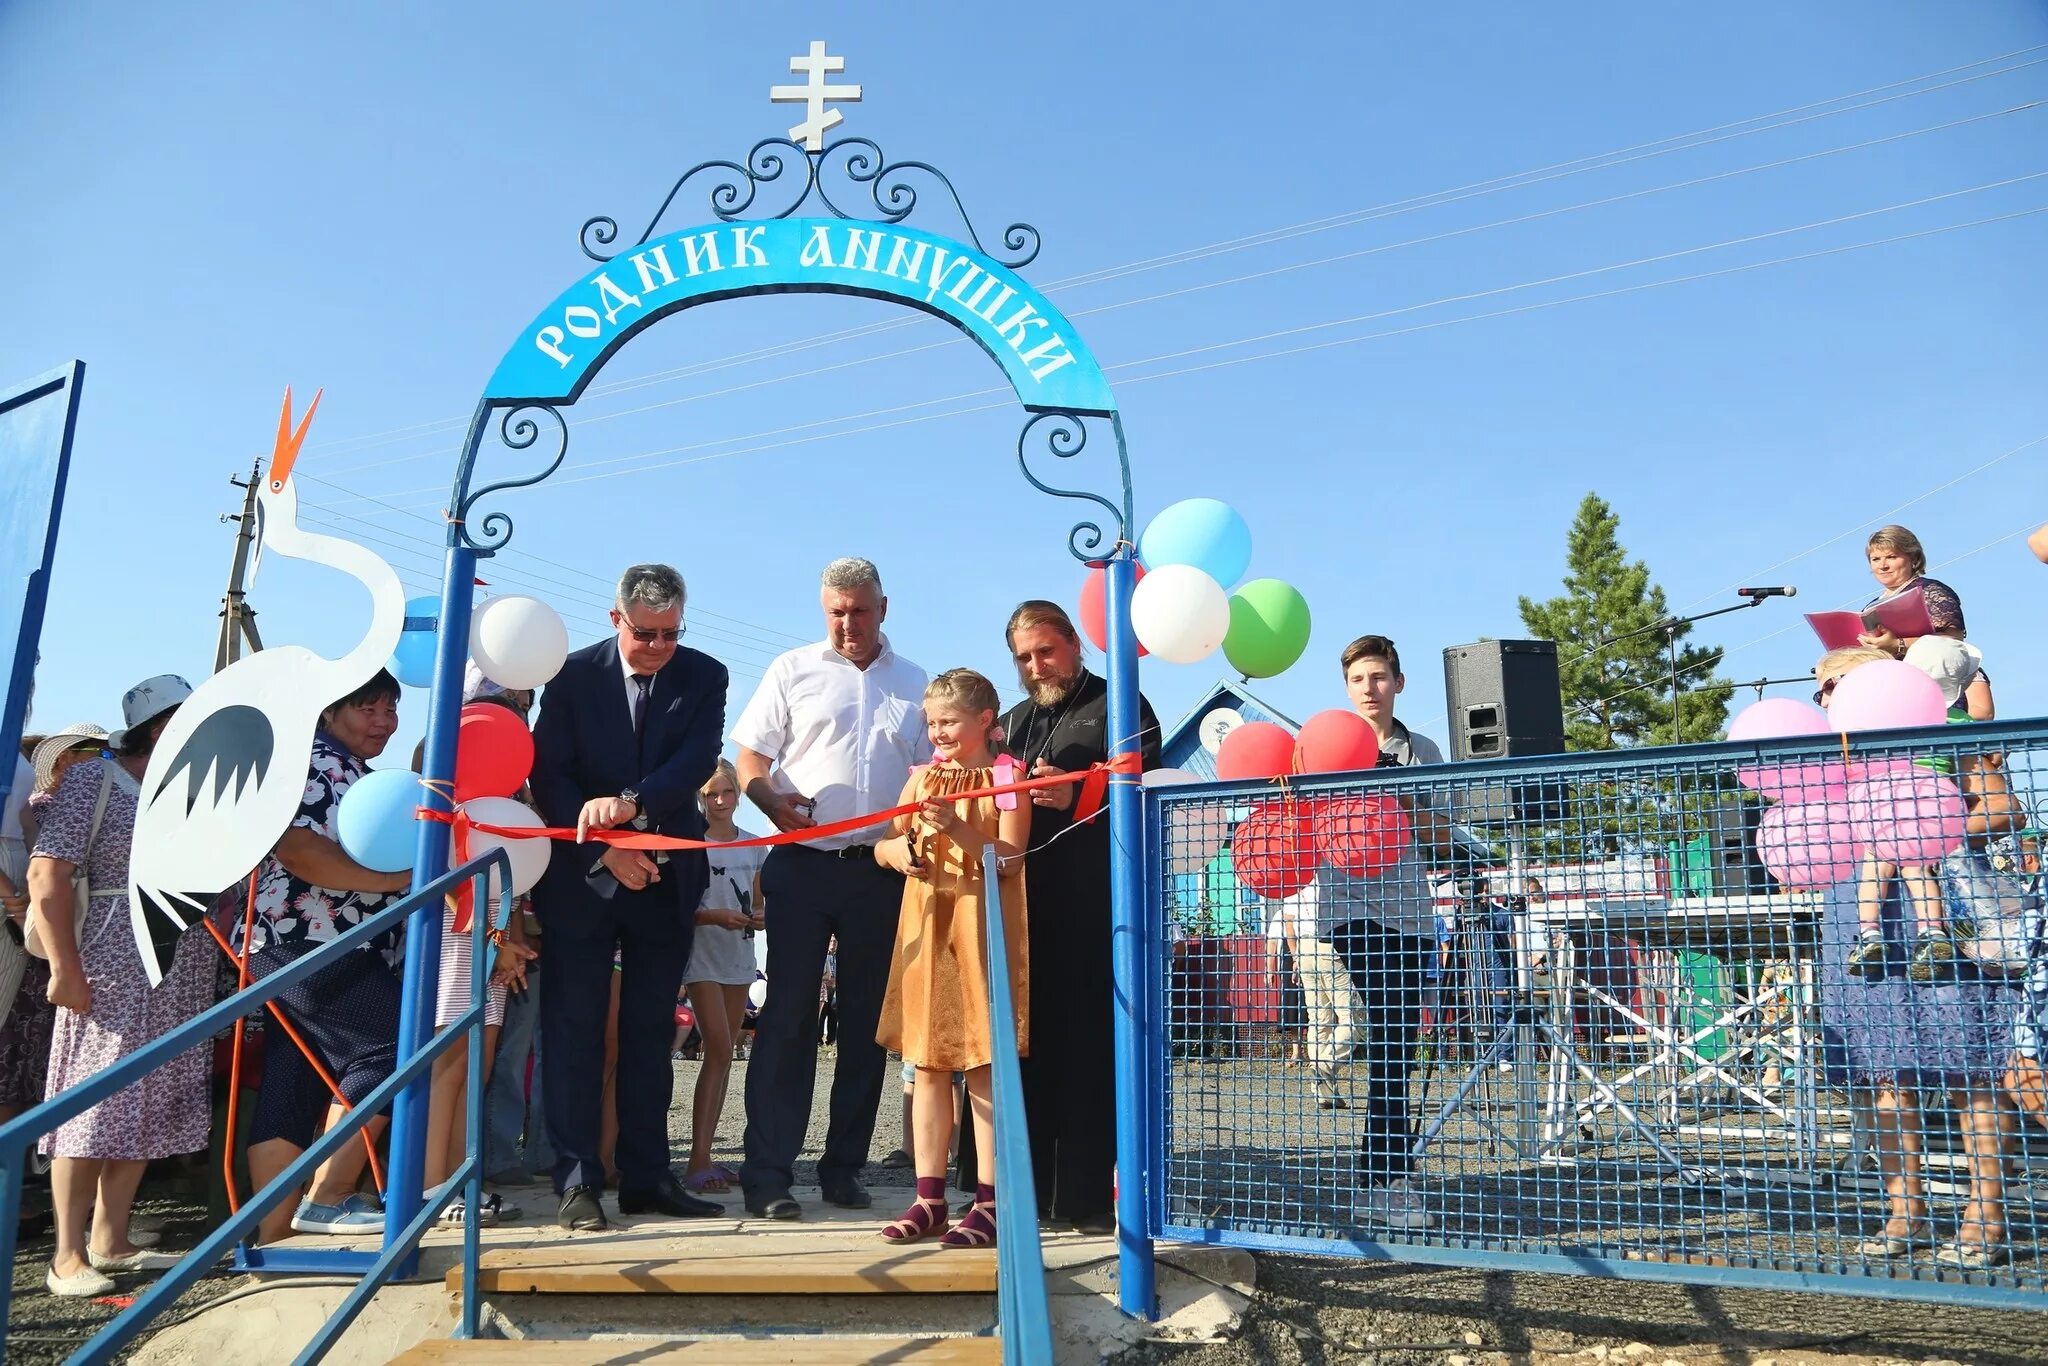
1094	782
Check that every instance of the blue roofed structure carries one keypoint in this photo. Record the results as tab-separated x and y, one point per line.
1211	898
1182	745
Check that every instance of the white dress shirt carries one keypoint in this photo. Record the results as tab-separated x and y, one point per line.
844	736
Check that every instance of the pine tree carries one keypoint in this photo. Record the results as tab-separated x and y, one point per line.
1620	694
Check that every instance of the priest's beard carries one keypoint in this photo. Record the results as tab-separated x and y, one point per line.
1052	692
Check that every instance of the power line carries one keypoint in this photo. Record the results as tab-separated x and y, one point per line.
1323	345
950	340
1602	161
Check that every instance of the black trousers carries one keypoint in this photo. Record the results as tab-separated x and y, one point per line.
348	1013
1387	968
812	895
652	939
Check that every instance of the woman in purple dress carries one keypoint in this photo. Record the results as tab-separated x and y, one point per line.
106	1008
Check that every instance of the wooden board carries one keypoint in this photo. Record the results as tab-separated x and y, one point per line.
802	1351
882	1270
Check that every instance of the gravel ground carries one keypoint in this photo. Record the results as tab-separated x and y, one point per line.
1308	1310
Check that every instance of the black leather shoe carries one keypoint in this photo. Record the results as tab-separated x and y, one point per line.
668	1197
846	1192
581	1212
775	1205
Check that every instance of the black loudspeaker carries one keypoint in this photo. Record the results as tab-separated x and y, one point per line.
1504	699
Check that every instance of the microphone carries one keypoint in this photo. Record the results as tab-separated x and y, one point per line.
1767	592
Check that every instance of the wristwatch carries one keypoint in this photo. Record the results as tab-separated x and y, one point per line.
632	794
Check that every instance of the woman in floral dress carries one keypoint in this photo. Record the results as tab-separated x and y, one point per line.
107	1010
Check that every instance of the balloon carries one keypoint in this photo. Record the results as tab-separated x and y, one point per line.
412	663
685	1017
1180	614
1908	818
1823	780
493	752
1095	609
529	856
375	822
1808	847
1169	777
1364	836
1274	851
757	993
1194	833
1268	628
518	642
1199	532
1256	749
1773	718
1335	741
1886	694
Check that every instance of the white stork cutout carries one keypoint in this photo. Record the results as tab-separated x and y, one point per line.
229	773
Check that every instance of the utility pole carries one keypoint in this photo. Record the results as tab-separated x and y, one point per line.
237	618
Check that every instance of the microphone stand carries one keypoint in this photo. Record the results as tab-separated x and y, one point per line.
1672	627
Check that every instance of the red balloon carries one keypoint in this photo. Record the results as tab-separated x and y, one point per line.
1364	836
493	752
1256	749
1274	851
1095	608
1336	742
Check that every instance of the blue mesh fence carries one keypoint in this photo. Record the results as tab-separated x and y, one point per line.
1621	1014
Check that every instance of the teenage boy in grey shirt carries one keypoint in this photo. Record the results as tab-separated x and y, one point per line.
1383	926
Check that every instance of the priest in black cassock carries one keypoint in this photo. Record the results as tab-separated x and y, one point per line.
1070	1074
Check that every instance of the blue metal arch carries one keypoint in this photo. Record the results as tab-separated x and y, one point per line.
523	400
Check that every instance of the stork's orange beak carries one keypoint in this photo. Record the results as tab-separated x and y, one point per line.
288	441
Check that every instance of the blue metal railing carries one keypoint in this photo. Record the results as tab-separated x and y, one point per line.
1688	1090
1023	1312
18	1134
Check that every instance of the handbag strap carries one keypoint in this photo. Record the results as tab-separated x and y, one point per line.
92	833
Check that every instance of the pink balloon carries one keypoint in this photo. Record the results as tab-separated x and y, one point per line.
1886	694
1908	818
1807	847
1773	718
1811	780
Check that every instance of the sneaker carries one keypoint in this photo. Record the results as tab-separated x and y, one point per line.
1933	958
1867	958
356	1214
1396	1205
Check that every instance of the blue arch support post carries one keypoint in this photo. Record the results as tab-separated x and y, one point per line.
780	228
1132	955
403	1191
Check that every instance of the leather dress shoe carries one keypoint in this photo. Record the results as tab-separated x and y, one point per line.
667	1196
846	1192
581	1212
774	1205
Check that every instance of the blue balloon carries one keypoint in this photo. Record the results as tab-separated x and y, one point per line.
1203	532
412	663
375	820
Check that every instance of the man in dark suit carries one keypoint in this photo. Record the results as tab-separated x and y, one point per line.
628	731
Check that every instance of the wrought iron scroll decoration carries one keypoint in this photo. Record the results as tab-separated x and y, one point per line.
519	430
1065	435
736	185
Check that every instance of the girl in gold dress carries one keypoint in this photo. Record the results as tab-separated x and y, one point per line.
936	1013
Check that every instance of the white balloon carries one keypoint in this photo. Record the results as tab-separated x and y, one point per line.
529	856
1169	777
518	642
757	993
1180	614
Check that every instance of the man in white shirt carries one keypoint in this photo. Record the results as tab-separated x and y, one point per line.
832	733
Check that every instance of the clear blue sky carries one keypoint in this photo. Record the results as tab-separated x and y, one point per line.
208	203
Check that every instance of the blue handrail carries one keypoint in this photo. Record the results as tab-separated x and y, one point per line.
1021	1306
18	1134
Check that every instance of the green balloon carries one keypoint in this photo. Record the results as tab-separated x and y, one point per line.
1268	628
